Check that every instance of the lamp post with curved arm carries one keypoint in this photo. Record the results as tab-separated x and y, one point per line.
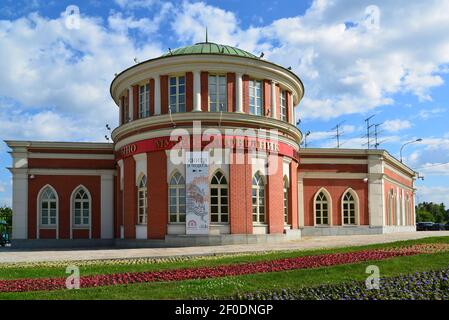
402	147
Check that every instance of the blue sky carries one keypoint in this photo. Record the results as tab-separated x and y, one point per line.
392	62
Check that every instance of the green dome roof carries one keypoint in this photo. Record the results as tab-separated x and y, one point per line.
210	48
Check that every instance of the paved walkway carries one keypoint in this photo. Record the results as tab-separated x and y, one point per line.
9	255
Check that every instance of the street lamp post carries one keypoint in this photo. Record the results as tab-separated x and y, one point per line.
400	152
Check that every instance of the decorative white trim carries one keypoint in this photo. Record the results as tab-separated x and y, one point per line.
157	94
72	201
196	90
273	99
131	104
63	172
394	170
300	202
334	175
168	131
396	183
239	92
20	206
38	207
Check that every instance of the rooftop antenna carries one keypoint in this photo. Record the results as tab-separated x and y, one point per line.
338	133
305	138
376	133
206	35
368	126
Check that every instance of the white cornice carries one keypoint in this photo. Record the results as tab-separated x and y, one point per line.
13	144
388	158
332	161
81	156
63	172
244	119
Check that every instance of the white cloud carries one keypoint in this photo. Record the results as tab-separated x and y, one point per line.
60	78
396	125
437	194
431	113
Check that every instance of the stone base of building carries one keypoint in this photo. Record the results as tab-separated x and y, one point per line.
169	241
353	230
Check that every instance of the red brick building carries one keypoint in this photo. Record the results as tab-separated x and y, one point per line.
239	111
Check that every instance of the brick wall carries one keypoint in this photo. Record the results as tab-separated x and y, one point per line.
204	91
130	198
231	91
240	197
157	195
275	199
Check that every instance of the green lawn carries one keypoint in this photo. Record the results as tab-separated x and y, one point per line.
227	286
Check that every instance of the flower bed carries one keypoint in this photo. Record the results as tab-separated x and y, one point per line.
432	285
305	262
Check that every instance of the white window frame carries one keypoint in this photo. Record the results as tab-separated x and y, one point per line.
175	108
38	212
144	101
321	203
355	202
81	225
285	199
220	197
283	105
177	187
142	196
220	98
255	109
48	209
260	185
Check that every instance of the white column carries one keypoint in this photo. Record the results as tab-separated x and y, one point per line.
157	95
300	202
376	207
120	120
196	90
292	110
273	99
107	206
239	92
131	103
121	211
20	206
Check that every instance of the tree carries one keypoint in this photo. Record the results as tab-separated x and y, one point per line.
429	211
6	215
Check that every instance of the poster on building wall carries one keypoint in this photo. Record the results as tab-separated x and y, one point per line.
197	192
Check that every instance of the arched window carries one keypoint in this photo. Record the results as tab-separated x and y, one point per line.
322	208
177	198
219	198
81	208
48	207
258	198
142	200
285	200
349	208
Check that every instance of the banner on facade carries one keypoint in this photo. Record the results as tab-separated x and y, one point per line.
197	192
